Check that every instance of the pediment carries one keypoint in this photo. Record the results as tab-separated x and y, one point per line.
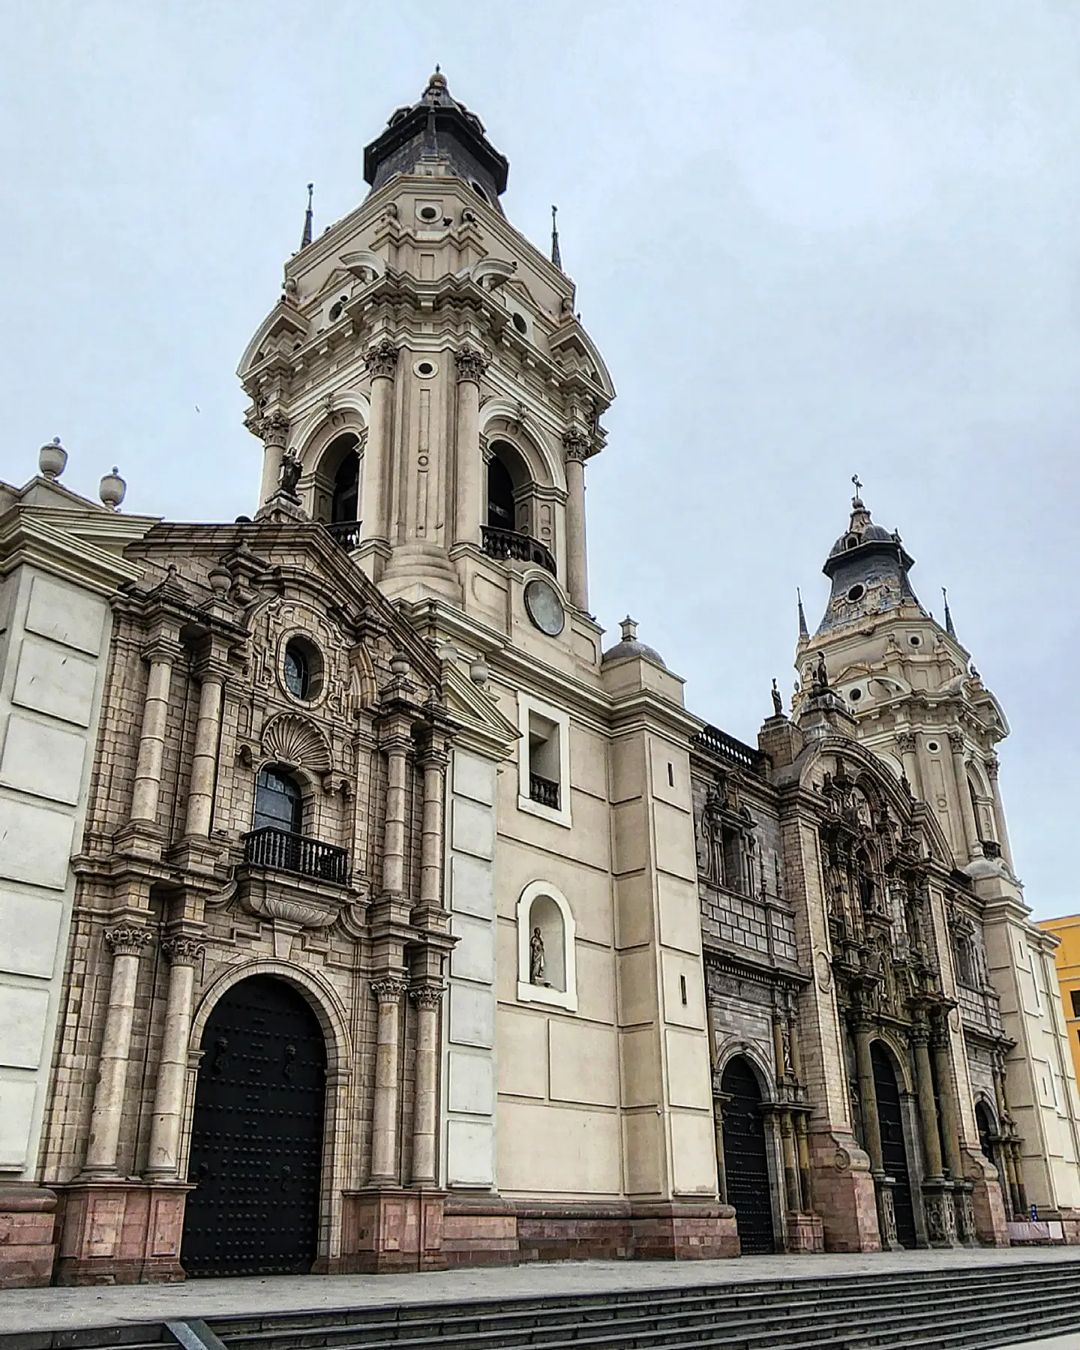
476	714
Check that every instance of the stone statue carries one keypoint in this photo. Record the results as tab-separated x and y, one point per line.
777	700
821	673
536	958
289	476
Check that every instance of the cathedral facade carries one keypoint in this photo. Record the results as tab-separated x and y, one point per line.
408	926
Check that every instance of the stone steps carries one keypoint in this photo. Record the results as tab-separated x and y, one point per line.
935	1309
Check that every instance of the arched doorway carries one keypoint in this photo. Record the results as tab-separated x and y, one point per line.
893	1152
257	1135
502	509
746	1159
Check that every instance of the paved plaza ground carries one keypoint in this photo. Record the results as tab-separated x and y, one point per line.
62	1309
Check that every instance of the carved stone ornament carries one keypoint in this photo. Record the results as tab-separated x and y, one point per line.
292	739
426	995
183	951
842	1160
128	939
388	990
905	741
956	742
887	1216
270	903
382	359
577	445
470	364
273	429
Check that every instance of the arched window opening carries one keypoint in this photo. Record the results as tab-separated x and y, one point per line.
341	458
279	802
297	672
547	969
502	511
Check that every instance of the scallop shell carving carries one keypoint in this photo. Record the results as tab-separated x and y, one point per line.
294	740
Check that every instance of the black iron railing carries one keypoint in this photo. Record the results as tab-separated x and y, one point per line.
287	852
346	533
719	743
498	543
544	791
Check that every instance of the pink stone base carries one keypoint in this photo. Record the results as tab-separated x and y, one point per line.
805	1233
389	1230
491	1231
27	1230
991	1220
843	1191
118	1232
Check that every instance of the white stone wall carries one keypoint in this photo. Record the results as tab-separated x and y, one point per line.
51	676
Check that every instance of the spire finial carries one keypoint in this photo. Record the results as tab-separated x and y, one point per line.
629	629
305	238
556	256
948	614
804	632
857	499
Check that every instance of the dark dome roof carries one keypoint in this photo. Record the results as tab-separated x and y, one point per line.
630	646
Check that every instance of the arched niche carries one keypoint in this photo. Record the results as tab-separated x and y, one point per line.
547	966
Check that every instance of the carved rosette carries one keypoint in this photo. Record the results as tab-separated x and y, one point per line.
183	951
388	990
426	995
128	939
577	445
470	365
382	360
273	430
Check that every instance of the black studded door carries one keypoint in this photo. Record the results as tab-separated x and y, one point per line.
256	1142
746	1163
893	1152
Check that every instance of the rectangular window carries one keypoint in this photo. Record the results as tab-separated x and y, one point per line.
544	760
1074	996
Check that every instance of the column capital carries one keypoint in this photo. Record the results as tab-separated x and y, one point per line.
426	995
956	742
470	365
992	764
433	757
577	445
388	989
905	741
162	647
382	359
128	939
183	951
273	429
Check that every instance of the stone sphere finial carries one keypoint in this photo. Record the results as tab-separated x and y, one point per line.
52	459
221	580
112	489
479	672
399	664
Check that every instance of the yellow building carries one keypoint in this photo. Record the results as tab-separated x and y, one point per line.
1067	931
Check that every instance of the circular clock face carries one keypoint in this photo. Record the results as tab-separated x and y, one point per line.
544	607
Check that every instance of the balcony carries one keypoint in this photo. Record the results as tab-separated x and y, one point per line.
508	544
544	791
292	879
285	852
346	533
719	744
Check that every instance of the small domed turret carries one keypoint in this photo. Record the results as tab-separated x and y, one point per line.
630	646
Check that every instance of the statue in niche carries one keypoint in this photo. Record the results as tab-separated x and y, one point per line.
536	958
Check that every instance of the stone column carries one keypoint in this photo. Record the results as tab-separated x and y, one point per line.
396	745
200	801
931	1140
164	1158
469	485
147	790
967	811
273	431
905	743
426	1104
868	1096
576	444
992	766
384	1139
721	1169
126	941
433	763
805	1174
382	361
791	1169
950	1110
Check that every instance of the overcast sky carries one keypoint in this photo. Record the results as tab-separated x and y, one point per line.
811	239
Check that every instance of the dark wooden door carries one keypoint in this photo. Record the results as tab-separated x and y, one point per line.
256	1144
746	1162
893	1152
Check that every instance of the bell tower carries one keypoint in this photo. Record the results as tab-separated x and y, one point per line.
424	388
